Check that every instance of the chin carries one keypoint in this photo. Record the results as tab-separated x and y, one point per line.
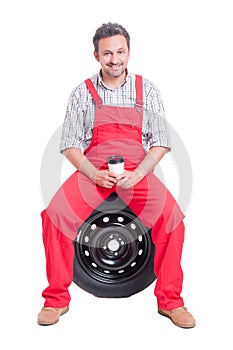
116	74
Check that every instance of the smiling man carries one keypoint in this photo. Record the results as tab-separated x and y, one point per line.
113	55
114	111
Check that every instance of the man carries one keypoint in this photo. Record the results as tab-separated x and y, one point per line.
114	111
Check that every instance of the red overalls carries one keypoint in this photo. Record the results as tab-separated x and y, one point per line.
117	130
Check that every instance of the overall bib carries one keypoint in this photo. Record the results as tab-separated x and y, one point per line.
117	131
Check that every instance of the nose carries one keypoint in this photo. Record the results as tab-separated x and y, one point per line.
114	58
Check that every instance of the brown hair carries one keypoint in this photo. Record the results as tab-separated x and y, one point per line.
107	30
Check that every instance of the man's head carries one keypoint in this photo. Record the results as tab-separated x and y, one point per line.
112	44
107	30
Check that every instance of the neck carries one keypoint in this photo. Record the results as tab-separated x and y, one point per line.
112	82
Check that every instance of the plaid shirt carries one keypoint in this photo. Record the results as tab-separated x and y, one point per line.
79	118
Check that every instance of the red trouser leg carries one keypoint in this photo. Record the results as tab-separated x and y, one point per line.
60	221
157	208
167	266
59	252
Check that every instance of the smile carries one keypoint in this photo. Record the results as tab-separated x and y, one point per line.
114	66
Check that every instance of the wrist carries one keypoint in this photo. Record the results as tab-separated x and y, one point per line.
139	174
94	177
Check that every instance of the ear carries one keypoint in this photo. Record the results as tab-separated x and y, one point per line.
96	56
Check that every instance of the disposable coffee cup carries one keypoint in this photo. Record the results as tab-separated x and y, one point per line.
116	164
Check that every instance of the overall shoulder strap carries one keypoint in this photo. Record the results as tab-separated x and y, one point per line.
139	91
93	92
98	101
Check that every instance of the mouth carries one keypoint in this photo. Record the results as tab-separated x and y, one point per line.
114	70
115	66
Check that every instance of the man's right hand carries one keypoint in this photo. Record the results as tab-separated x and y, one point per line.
104	178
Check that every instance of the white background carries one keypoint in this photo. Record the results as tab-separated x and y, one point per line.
185	47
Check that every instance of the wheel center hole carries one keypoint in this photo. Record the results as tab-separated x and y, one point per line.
113	245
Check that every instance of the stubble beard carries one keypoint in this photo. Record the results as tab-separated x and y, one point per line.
115	74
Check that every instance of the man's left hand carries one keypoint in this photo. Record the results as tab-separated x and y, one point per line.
129	179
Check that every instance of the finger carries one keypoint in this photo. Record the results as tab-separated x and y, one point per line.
110	182
113	179
122	182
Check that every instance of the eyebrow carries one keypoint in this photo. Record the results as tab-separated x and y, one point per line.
108	50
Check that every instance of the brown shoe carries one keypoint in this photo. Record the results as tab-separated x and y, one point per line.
180	317
50	315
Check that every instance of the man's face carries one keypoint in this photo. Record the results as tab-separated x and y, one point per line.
113	55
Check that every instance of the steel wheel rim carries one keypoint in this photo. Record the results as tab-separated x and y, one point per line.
113	247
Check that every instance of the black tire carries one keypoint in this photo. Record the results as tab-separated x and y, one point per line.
114	253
